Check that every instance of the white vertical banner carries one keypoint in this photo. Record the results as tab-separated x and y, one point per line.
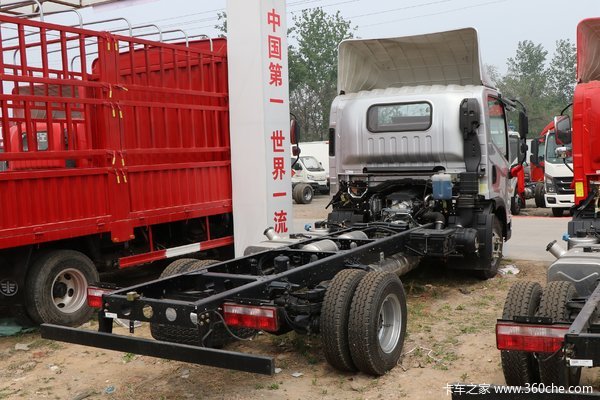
260	120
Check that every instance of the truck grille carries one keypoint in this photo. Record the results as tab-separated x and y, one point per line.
563	185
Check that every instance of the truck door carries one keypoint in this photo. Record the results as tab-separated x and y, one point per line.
498	151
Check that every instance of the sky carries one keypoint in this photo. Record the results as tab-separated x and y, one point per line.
501	24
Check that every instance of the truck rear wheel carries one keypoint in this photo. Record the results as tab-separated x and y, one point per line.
302	193
176	266
57	285
335	314
538	195
519	367
193	336
377	325
553	304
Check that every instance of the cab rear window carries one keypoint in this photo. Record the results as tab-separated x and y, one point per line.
399	117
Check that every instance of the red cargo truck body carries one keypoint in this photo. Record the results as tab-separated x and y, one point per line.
115	152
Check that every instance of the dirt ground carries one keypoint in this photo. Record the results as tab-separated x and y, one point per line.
450	339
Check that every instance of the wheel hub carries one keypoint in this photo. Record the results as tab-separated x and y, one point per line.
389	323
69	290
496	246
59	290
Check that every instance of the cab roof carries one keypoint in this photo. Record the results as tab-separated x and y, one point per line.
588	50
443	58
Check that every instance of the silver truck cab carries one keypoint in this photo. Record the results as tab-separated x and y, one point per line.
412	112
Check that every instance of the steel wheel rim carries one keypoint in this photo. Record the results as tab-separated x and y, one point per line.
496	247
69	290
307	195
390	323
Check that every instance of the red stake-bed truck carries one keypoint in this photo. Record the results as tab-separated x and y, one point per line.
115	153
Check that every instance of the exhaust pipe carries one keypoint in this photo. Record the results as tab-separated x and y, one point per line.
271	234
397	263
555	249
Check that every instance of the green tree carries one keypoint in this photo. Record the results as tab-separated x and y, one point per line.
221	25
561	74
492	73
313	67
527	80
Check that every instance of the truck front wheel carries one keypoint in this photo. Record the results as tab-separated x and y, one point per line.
516	204
57	288
377	323
302	193
538	194
519	367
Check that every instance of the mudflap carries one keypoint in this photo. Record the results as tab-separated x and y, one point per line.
483	223
485	227
13	271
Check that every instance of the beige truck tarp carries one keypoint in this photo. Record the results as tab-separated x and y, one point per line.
445	58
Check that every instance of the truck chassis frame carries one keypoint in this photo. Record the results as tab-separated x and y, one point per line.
188	298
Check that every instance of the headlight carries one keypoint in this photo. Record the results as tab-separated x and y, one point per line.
550	188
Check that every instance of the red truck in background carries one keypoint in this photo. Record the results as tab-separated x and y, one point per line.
536	165
115	153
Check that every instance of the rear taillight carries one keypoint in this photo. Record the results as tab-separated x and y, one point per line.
253	317
94	296
530	338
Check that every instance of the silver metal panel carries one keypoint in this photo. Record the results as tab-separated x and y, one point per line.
578	266
440	145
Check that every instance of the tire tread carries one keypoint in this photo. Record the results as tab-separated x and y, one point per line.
553	305
519	367
335	315
364	318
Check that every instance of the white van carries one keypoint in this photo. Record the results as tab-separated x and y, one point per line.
309	173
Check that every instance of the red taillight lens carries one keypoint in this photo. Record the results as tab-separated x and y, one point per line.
253	317
94	296
530	338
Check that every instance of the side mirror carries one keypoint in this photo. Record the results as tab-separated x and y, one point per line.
562	127
523	151
562	152
523	125
295	150
294	132
535	148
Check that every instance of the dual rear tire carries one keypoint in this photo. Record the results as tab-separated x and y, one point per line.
363	321
527	299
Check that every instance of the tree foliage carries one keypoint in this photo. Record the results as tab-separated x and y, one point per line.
544	88
313	67
221	25
562	73
312	64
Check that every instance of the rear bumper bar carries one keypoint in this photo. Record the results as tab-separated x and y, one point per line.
154	348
